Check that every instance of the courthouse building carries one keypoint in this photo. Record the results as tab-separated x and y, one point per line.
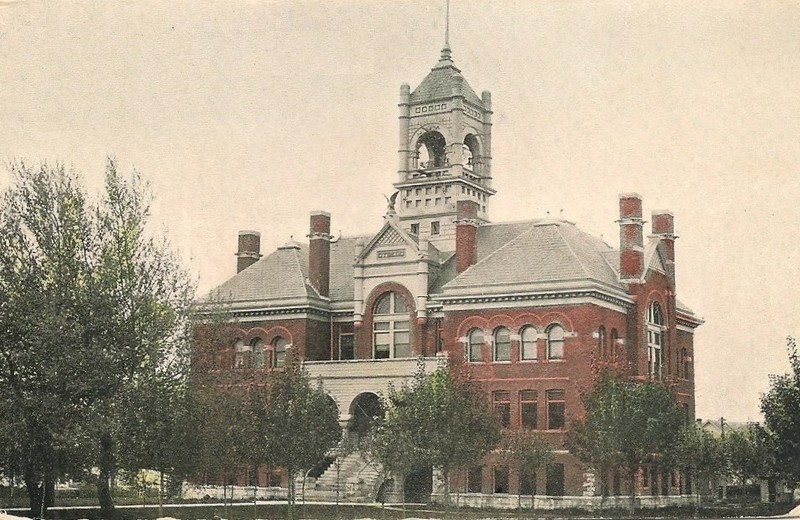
529	306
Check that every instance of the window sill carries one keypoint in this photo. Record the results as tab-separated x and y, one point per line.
501	362
556	360
528	361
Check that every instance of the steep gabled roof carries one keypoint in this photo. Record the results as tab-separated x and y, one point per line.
545	251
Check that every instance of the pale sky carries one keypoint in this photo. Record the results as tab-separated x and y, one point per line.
249	115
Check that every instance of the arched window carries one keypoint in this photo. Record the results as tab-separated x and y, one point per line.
502	345
654	324
474	344
527	343
391	327
602	346
257	346
613	349
555	342
241	354
279	346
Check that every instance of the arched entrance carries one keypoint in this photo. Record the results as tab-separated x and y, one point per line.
365	409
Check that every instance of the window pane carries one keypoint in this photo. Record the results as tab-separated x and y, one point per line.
555	350
528	343
402	350
555	342
502	344
501	479
529	411
402	325
383	305
474	480
381	325
475	344
346	346
555	480
527	482
555	409
502	407
400	306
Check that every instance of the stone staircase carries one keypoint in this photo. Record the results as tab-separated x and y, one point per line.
358	479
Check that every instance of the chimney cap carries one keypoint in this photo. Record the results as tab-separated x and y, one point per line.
631	195
320	212
249	232
656	212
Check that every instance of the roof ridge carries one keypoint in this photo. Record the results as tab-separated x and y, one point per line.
306	283
574	255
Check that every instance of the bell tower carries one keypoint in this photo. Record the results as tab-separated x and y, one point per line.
445	153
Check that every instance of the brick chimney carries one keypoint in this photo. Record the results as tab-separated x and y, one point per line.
319	252
664	230
249	250
631	239
466	234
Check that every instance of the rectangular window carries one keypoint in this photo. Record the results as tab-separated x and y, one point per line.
434	228
528	408
527	482
408	203
346	342
438	189
555	480
501	479
502	407
427	191
437	201
415	228
475	480
416	203
555	409
427	202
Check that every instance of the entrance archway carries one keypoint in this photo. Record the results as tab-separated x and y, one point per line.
365	409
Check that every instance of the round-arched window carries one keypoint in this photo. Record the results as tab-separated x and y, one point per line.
391	327
474	345
654	324
502	345
279	346
257	346
527	341
555	342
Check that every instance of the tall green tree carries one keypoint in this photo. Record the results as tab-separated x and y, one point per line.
701	457
627	425
89	300
525	451
781	409
449	419
293	423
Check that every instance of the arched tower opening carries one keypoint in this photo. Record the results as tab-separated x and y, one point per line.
431	150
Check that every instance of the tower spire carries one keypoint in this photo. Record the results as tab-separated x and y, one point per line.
446	48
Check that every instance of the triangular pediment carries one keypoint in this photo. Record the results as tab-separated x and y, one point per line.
391	243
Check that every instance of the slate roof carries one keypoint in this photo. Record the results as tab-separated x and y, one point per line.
439	82
279	276
542	251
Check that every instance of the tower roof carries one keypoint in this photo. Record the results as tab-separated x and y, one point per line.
439	82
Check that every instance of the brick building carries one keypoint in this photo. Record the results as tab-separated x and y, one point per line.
530	306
